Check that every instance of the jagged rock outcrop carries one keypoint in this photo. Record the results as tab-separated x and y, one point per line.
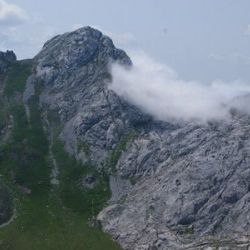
6	58
176	185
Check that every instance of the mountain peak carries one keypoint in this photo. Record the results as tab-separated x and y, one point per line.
173	185
79	48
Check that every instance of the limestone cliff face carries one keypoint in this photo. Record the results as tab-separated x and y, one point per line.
74	69
174	185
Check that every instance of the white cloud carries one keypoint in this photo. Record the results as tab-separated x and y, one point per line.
11	13
247	32
158	90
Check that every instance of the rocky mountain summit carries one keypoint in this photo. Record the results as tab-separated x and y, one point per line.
175	185
74	70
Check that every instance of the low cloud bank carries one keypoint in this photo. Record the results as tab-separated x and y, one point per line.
157	90
11	13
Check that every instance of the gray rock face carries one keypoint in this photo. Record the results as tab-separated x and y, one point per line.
193	181
6	58
74	69
176	185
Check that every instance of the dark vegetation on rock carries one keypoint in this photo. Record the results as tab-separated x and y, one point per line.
6	59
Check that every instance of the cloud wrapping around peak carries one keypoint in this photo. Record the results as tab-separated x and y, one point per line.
157	90
11	13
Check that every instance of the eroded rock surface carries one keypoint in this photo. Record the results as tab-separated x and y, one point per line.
74	69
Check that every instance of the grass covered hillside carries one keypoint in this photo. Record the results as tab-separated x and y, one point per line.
46	216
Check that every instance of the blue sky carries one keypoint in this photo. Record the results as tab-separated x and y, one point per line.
202	40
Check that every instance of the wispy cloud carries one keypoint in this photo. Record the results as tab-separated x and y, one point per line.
23	32
158	90
19	31
11	13
247	32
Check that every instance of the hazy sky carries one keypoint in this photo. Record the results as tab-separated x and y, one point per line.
202	40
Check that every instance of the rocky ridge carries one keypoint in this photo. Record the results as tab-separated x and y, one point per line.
6	58
175	185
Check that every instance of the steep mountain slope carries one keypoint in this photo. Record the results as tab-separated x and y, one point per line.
175	185
51	211
6	206
193	181
189	179
74	69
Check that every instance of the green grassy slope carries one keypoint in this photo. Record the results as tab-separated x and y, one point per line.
46	217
